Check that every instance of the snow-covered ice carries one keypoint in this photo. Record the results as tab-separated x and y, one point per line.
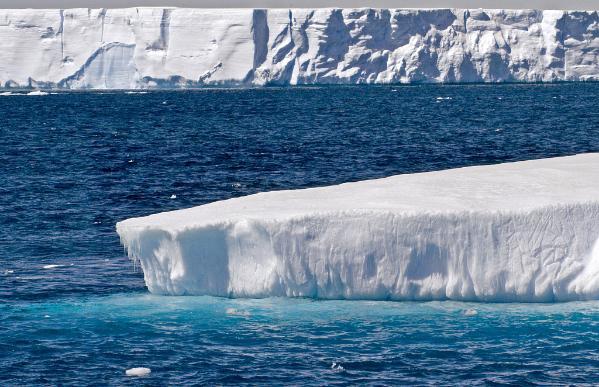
138	371
524	231
169	47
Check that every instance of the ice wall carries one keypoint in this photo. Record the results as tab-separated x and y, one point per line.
153	47
526	231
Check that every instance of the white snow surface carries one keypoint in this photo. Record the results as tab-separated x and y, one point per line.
174	47
138	371
525	231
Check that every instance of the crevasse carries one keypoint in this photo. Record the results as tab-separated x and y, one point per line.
153	47
526	231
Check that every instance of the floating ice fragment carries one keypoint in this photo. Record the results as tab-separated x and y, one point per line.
138	371
237	312
443	98
173	196
46	316
130	161
6	94
470	312
37	92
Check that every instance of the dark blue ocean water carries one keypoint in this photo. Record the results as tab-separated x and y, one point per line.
73	164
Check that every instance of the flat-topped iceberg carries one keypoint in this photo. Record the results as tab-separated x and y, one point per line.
524	231
177	48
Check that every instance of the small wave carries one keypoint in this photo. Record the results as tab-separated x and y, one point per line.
470	312
37	92
337	367
237	312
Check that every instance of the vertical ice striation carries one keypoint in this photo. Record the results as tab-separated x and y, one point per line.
526	231
171	47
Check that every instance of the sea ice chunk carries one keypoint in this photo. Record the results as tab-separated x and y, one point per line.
524	231
138	371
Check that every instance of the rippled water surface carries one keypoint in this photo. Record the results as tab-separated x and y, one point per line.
73	309
219	341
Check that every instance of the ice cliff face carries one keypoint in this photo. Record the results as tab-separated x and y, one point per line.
525	231
152	47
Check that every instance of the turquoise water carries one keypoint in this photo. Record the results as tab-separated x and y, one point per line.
73	164
281	341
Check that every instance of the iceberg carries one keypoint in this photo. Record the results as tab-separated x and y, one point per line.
139	48
138	371
524	231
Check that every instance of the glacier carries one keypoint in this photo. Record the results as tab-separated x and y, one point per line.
524	231
137	48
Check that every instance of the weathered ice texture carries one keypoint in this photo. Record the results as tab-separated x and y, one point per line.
153	47
526	231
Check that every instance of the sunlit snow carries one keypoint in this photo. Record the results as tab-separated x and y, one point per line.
525	231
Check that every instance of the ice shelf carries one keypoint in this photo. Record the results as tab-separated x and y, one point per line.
177	48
